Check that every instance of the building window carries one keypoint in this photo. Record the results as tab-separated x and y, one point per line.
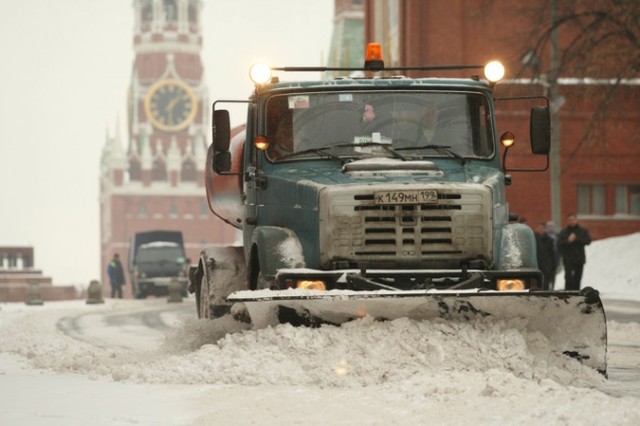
146	11
170	10
135	170
628	199
591	199
159	171
188	171
193	12
386	28
173	210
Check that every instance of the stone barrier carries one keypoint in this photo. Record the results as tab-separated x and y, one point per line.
94	293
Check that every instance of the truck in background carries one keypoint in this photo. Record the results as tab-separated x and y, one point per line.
155	259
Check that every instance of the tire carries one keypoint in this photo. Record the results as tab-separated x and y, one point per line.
258	281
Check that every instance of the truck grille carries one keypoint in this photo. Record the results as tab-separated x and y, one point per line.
455	229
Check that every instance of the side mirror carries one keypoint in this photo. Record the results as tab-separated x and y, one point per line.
540	130
221	130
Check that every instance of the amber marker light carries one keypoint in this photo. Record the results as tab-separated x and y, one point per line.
494	71
260	73
312	285
510	285
507	139
261	143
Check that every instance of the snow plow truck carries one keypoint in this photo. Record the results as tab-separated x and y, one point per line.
379	195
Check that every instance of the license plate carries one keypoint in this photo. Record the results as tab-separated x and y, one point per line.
422	196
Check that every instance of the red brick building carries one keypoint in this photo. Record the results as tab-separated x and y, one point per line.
598	154
154	178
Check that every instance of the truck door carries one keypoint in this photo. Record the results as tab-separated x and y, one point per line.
250	190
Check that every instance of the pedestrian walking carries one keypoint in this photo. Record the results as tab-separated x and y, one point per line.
546	253
571	243
116	276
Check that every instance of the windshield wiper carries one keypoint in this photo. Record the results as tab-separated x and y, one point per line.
319	151
323	151
443	149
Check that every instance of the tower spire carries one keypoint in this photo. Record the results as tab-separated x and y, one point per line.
156	181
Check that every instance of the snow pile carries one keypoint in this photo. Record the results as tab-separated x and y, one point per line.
366	353
360	353
612	267
405	371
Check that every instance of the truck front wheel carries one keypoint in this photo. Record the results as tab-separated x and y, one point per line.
257	278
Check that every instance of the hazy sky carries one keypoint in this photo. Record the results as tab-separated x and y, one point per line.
66	67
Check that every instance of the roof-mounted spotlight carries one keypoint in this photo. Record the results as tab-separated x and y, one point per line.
494	71
260	73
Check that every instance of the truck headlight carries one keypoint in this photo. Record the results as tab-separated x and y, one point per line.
311	285
510	284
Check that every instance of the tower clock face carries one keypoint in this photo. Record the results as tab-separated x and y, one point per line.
170	105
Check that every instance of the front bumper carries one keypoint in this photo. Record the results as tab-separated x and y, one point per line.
160	284
407	279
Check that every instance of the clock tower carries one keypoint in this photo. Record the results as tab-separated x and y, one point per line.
155	179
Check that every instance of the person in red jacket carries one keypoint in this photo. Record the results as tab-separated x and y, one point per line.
571	243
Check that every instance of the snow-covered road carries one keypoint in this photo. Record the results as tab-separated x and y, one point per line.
149	361
132	325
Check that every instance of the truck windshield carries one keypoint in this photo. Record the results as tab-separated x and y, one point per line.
152	253
357	124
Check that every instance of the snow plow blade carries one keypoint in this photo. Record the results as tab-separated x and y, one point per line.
574	322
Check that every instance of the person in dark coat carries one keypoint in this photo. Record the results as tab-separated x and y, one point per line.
116	276
551	232
545	250
571	243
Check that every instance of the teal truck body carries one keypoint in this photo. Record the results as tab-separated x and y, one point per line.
342	214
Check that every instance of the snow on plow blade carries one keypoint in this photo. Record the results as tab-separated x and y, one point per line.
573	322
